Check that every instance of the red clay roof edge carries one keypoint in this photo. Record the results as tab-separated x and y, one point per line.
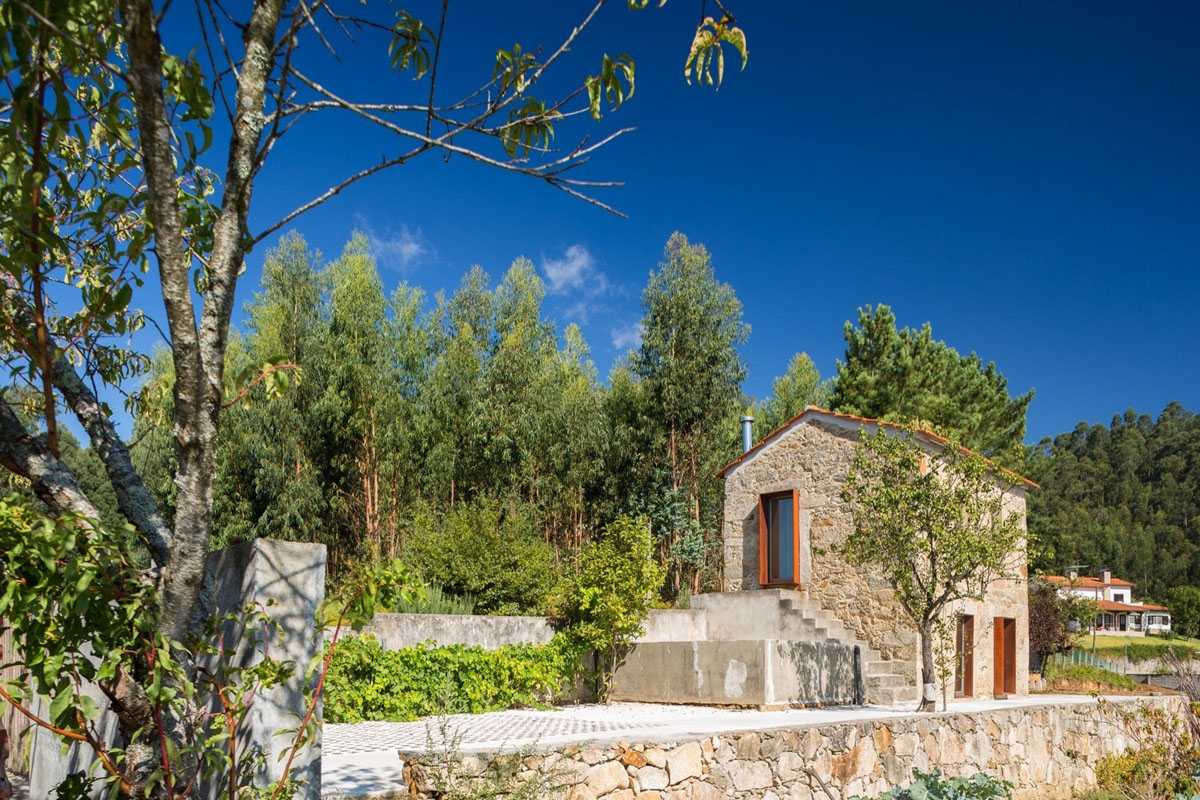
937	439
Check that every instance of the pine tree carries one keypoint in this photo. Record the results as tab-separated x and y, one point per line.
908	376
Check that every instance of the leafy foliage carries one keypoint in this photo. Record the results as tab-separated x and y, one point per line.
707	49
84	591
617	581
366	682
1164	759
1184	602
1125	496
692	373
932	786
908	376
1051	615
797	388
488	553
433	599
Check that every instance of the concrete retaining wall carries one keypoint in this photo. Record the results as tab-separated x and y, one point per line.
1047	751
760	673
290	574
395	631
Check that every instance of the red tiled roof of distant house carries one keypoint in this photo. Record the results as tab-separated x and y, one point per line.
1086	583
1109	605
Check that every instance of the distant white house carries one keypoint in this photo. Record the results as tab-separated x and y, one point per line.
1116	610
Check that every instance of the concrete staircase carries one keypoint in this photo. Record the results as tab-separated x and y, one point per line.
785	615
884	682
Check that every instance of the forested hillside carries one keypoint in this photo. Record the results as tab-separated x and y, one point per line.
1125	496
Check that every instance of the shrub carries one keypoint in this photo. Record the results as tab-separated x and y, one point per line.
433	599
613	591
1051	616
1164	761
490	553
366	682
932	786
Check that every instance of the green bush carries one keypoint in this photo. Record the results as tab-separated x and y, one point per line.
932	786
489	552
433	599
617	580
366	682
1081	672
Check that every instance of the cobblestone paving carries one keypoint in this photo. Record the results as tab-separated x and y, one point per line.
510	727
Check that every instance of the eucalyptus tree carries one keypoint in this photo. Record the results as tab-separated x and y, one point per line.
104	148
799	386
692	371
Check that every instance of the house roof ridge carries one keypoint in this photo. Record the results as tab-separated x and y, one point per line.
937	439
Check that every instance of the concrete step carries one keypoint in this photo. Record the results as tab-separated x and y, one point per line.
892	695
879	667
887	681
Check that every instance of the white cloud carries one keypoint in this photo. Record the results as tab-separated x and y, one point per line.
400	250
575	271
627	336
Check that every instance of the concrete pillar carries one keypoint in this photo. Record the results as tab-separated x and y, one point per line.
293	576
261	571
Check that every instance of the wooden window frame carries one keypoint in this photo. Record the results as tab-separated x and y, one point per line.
764	567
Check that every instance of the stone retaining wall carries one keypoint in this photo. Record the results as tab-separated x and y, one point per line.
1047	752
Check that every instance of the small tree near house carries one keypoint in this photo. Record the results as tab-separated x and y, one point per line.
1051	615
613	592
938	530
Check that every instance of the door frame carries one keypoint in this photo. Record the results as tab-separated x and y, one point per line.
1004	656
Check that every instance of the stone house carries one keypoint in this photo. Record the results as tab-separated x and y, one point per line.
785	523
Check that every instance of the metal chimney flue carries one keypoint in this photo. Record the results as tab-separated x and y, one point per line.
747	433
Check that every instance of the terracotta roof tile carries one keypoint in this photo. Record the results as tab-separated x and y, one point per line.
1109	605
1087	583
935	438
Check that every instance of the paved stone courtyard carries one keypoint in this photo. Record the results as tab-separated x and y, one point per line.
363	760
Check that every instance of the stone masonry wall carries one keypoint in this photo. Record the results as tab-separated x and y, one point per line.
814	458
1047	752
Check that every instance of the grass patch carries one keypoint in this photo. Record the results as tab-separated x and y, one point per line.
1138	648
1086	674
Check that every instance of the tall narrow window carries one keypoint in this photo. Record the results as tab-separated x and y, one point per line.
778	538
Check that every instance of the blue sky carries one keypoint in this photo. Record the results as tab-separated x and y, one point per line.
1022	175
